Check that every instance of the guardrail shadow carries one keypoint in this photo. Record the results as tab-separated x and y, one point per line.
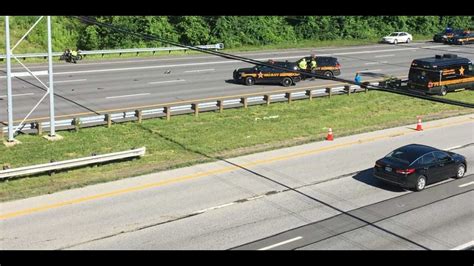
366	176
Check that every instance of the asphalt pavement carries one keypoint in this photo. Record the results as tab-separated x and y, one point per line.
100	86
319	195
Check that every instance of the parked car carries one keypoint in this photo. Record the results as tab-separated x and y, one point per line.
414	166
268	75
445	35
441	74
325	66
398	37
466	37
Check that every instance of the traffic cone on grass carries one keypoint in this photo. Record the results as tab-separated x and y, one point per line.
330	136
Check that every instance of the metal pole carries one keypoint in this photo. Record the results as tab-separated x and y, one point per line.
52	133
9	81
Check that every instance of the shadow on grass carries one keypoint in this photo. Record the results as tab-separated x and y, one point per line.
366	176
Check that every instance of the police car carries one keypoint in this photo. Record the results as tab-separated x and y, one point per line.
441	74
325	66
268	75
466	37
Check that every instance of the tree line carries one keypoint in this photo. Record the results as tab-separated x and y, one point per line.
233	31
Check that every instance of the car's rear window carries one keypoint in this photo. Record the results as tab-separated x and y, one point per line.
402	156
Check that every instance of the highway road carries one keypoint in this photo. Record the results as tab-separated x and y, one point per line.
97	86
320	195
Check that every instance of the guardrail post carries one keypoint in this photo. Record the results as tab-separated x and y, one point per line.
138	114
308	93
39	128
288	96
348	89
77	123
267	98
108	118
364	86
220	104
195	107
329	90
168	112
244	101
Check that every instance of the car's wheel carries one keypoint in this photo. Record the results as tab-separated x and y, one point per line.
408	40
249	81
420	183
328	74
286	82
395	41
443	91
461	171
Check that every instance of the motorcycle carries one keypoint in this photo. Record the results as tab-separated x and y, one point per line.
70	58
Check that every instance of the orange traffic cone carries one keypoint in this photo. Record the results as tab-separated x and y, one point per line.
330	136
418	125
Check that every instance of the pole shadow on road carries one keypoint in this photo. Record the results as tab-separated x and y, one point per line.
366	176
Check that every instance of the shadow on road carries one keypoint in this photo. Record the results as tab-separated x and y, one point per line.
366	176
232	81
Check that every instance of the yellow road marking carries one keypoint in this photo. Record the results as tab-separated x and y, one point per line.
187	101
217	171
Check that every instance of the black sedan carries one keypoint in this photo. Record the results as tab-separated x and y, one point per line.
414	166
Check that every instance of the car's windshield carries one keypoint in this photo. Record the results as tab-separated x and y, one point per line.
394	34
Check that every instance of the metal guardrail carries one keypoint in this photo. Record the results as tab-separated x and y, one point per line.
187	107
34	169
217	46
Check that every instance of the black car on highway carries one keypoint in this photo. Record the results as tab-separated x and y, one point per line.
445	35
466	37
268	75
325	66
414	166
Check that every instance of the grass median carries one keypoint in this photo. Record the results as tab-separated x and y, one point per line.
186	140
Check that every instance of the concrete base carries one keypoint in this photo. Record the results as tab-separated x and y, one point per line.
55	138
12	143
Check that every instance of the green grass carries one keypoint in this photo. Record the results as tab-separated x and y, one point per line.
187	140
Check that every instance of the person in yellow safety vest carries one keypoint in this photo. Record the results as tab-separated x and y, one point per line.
313	63
302	64
73	56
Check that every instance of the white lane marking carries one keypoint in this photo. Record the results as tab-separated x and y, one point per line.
166	81
216	207
463	246
372	63
386	55
16	95
65	81
454	147
130	95
282	243
452	50
227	61
219	62
199	70
27	74
434	46
467	184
